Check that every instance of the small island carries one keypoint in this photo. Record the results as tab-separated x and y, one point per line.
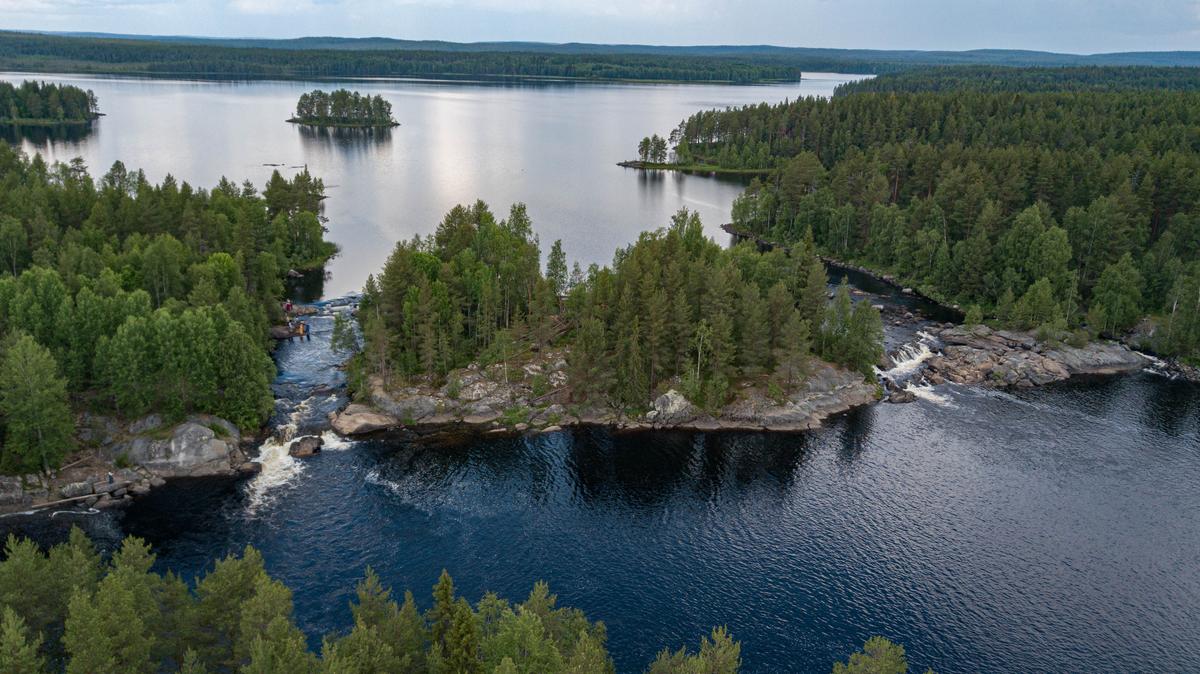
43	104
653	156
343	108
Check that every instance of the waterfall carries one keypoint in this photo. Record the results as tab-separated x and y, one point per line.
908	358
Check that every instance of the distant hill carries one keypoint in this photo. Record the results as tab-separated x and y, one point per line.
868	59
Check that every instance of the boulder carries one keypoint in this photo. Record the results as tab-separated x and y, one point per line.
192	449
306	446
75	489
672	408
901	396
360	420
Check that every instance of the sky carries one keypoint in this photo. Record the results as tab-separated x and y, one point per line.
1076	26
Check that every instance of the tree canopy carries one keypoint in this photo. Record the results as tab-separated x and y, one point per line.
42	103
140	297
1035	202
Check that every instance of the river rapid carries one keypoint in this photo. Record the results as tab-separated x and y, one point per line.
1052	529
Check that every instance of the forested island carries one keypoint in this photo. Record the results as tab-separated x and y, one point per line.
679	332
343	108
68	609
46	104
123	298
1073	212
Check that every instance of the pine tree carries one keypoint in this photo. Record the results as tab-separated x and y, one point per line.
878	656
33	402
441	616
461	643
19	650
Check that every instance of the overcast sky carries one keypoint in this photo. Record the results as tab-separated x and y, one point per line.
1082	26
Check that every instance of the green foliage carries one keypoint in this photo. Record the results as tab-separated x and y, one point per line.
46	103
851	333
1017	203
27	51
66	607
38	425
90	260
1118	296
878	656
343	108
344	339
19	649
974	315
720	655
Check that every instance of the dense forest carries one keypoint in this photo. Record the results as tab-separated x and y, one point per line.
136	297
41	104
674	309
343	108
68	610
50	53
1028	80
1043	210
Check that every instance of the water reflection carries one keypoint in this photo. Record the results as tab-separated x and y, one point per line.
42	136
345	138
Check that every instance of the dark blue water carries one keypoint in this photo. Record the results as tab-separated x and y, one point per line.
1050	530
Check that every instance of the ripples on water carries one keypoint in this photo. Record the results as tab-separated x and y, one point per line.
1048	530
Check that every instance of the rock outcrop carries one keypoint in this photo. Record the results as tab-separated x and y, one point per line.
193	449
361	420
980	355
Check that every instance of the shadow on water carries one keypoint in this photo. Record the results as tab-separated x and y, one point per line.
41	136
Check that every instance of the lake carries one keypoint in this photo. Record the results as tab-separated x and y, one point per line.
987	531
553	146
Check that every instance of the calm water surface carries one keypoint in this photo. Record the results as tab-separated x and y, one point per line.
552	146
1036	531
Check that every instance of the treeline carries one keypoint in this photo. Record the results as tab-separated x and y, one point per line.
343	108
1046	210
67	610
996	79
675	307
41	103
25	51
138	297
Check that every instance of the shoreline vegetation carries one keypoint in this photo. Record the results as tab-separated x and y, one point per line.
35	104
343	109
134	323
1025	196
71	609
463	326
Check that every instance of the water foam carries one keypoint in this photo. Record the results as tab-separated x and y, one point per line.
278	468
927	393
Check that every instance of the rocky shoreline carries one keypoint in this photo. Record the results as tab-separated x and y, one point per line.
1000	358
488	400
121	461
